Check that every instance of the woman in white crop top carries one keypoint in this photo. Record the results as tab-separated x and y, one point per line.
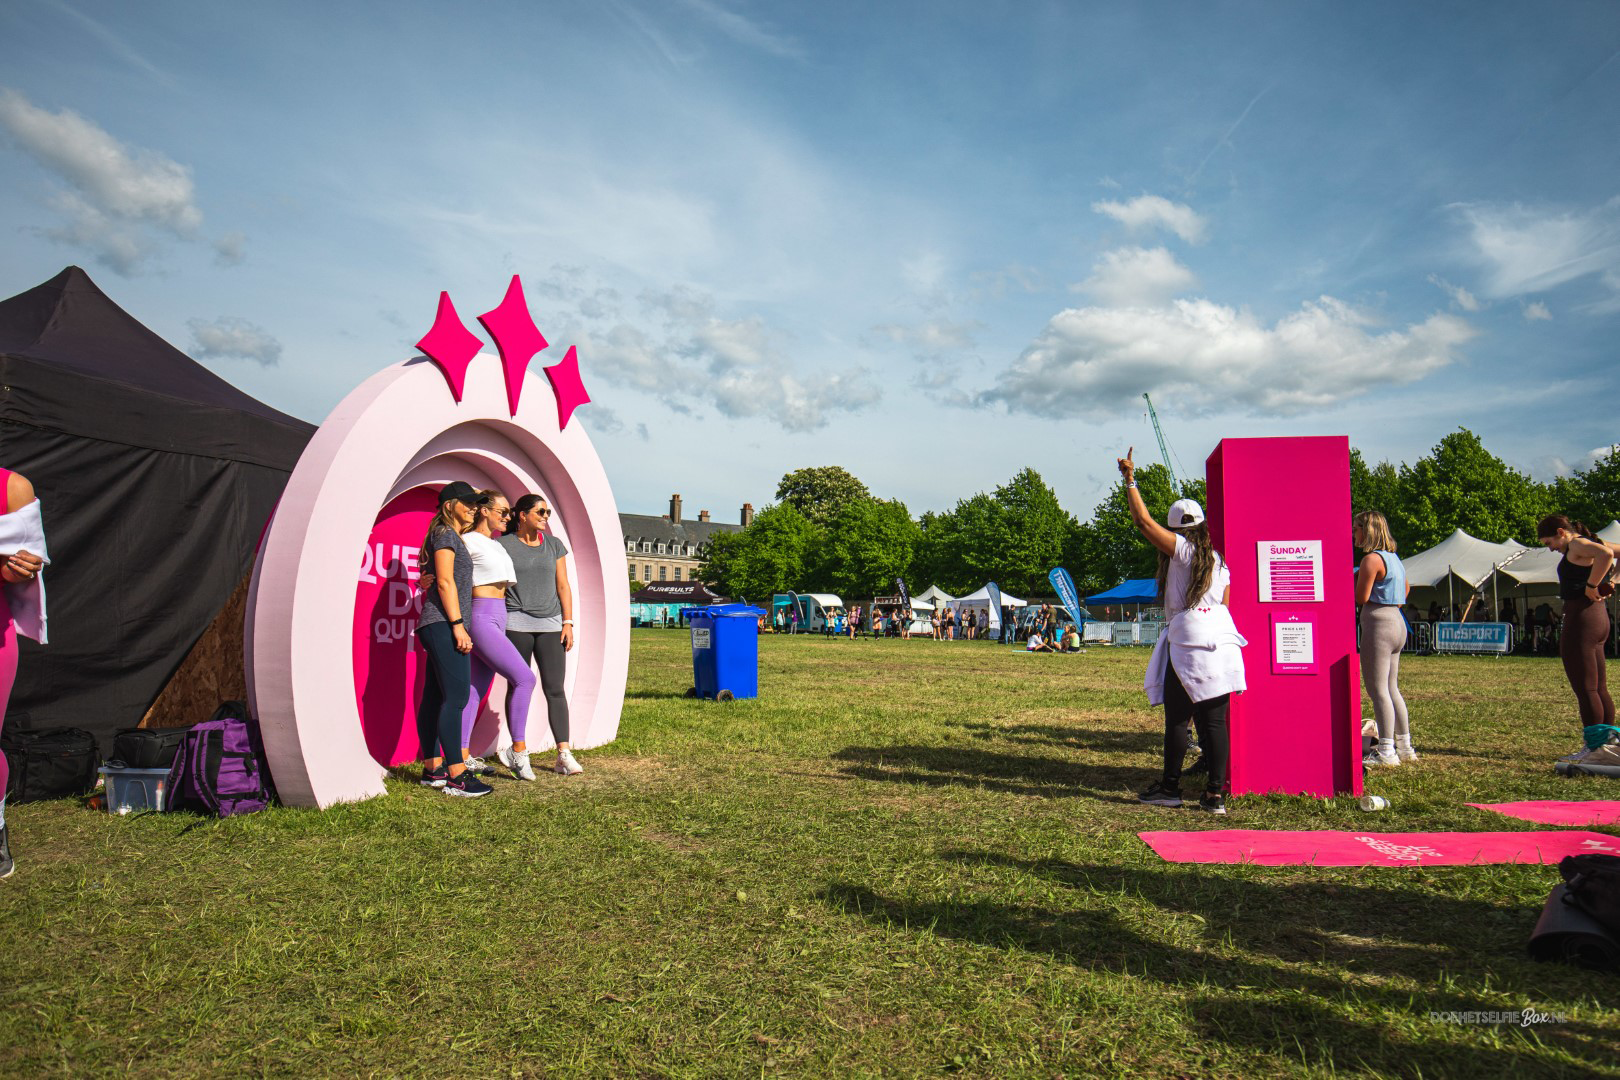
493	653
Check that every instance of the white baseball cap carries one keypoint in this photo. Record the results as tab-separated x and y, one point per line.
1184	512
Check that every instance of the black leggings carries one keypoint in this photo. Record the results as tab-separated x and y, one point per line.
1586	631
1209	717
444	694
548	647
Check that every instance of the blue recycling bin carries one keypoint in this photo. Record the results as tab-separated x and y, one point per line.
725	651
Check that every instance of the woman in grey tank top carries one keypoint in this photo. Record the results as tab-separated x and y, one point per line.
1381	589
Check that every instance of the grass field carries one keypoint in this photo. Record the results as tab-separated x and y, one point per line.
904	858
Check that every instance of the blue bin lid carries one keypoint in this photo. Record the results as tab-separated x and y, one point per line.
723	611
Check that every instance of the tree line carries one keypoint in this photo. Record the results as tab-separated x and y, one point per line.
827	532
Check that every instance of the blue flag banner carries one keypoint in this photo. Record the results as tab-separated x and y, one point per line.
994	592
1064	584
905	595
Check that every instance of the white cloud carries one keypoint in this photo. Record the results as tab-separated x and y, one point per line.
1134	276
1155	211
739	366
233	337
743	30
1097	361
116	196
932	337
1535	249
1536	310
1459	295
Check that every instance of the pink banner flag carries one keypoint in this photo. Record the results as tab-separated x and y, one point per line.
1268	848
1552	812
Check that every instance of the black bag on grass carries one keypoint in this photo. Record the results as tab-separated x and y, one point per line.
50	764
1592	883
148	748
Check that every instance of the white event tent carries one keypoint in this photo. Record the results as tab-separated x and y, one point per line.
935	597
981	599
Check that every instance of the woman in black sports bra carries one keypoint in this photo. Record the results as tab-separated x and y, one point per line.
1581	585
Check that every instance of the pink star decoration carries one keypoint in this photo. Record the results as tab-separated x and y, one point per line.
517	338
566	384
450	345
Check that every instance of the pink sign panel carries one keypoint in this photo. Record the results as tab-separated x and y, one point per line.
1267	848
1279	510
1293	644
387	679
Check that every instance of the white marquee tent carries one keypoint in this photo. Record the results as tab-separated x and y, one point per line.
982	599
935	596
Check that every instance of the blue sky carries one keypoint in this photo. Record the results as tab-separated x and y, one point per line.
930	242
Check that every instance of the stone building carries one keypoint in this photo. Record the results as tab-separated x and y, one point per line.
670	547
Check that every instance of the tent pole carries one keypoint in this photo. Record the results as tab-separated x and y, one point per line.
1451	596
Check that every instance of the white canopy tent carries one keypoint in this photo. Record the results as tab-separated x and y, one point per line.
935	597
1467	558
1611	532
982	599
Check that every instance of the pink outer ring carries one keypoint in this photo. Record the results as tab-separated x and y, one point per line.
398	429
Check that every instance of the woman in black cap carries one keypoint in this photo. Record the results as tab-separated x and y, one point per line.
441	630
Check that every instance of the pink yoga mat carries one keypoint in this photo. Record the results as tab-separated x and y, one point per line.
1268	848
1552	812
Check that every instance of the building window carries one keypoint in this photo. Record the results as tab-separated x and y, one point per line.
677	573
660	547
630	546
646	573
663	573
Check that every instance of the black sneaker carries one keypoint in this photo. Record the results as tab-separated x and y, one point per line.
7	864
435	777
1215	804
466	785
1159	795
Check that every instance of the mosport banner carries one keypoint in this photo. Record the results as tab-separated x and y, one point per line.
1473	637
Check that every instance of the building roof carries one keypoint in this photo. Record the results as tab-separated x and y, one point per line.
639	527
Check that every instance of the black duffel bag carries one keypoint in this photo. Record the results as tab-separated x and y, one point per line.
50	764
147	748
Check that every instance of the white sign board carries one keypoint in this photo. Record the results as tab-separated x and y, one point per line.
1290	571
700	637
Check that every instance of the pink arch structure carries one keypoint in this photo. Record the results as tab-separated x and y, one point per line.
401	430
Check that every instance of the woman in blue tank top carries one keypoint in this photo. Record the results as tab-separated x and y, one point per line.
1381	589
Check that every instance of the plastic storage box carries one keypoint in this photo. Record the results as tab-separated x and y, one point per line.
127	790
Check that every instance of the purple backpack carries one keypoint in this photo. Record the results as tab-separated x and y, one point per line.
220	768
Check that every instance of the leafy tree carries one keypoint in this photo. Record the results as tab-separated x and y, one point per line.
820	493
869	544
770	556
962	549
1108	549
1592	496
719	557
1461	485
1373	487
1032	527
637	586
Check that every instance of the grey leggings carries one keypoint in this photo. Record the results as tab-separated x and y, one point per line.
1383	636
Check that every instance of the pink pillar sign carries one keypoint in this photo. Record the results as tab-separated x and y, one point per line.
1279	511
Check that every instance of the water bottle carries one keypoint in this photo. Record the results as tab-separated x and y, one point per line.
1373	803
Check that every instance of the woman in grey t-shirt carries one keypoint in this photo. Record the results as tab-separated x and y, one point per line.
540	616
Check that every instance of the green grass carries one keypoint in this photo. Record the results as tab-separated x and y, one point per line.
905	858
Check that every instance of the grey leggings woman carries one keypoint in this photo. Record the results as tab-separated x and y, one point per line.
1383	636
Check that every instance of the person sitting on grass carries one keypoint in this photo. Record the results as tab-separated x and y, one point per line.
1037	643
1071	640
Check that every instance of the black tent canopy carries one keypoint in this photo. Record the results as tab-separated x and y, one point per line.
155	478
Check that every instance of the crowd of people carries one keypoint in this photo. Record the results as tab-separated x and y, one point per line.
495	597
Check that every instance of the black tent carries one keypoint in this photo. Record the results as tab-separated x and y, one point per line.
155	477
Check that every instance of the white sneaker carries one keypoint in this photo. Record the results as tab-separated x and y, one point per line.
566	765
518	763
1405	753
1379	757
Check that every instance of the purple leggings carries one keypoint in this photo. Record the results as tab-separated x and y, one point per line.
493	653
